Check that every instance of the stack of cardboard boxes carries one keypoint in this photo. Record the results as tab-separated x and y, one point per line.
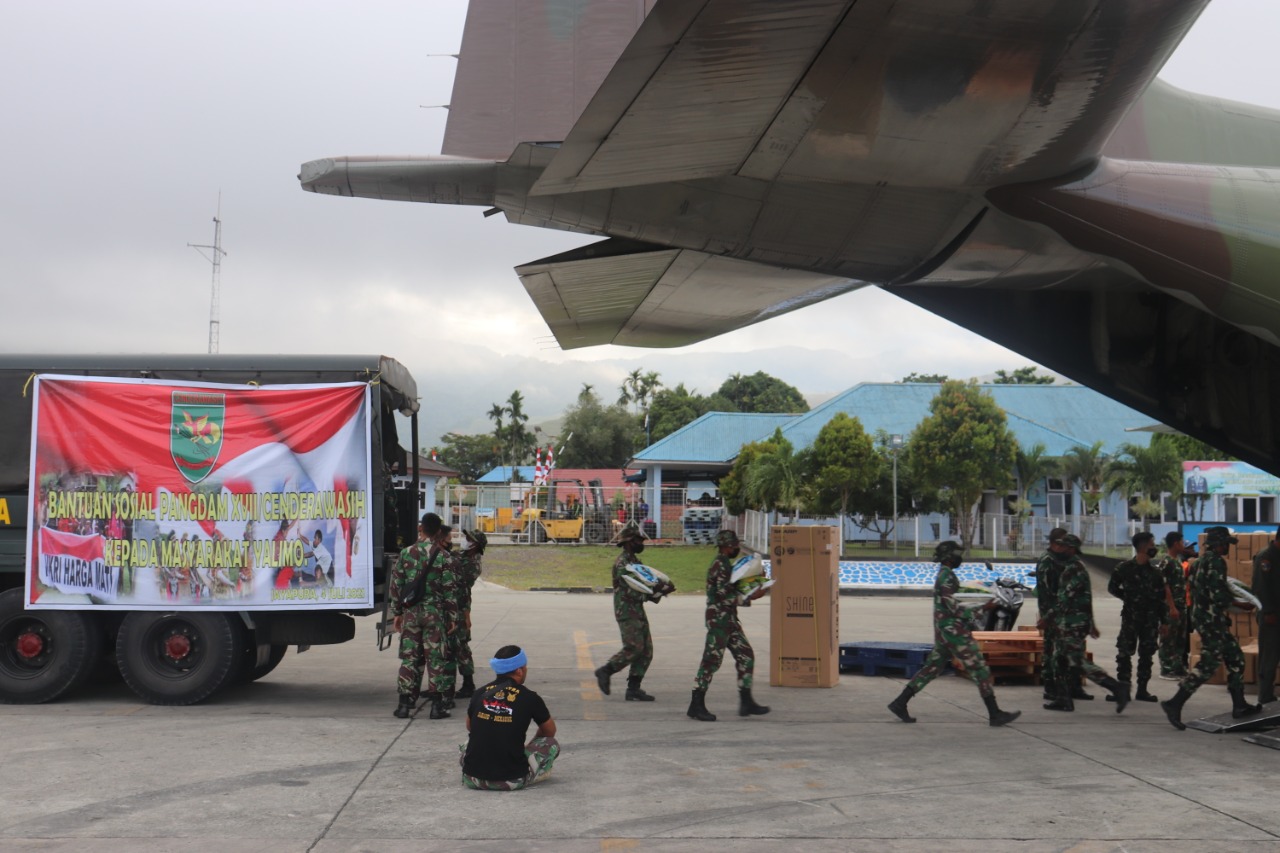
1244	625
804	634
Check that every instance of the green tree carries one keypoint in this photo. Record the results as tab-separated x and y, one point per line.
761	392
1146	471
928	378
673	408
1087	467
1031	465
472	456
776	477
1022	376
519	438
733	486
843	463
1189	449
964	447
602	436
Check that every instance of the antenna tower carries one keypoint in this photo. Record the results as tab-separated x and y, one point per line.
214	256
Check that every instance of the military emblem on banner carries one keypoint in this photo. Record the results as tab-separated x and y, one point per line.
195	435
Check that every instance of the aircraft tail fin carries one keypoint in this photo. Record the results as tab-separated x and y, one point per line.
527	69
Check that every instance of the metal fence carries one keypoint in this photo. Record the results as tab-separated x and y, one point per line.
523	513
995	536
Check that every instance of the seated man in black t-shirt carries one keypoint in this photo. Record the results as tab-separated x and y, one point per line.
496	757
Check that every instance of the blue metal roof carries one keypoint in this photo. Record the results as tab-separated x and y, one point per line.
1058	416
714	437
502	474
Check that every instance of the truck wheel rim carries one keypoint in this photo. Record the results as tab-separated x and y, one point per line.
27	646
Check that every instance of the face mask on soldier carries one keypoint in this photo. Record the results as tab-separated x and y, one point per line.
637	547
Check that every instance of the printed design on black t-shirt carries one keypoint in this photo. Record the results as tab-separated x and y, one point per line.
498	707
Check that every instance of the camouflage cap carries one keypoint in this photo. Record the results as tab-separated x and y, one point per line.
1071	541
947	550
1056	534
630	530
478	537
726	539
1219	536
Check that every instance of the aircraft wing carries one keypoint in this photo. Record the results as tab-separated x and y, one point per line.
633	294
931	93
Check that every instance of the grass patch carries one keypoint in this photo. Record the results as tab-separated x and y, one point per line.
530	566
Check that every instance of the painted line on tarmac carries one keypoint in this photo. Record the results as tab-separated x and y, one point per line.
590	690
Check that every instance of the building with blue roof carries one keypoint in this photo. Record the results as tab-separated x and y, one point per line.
1058	416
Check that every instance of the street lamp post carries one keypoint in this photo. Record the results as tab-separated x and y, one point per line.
895	443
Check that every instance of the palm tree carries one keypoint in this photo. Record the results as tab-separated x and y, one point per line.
628	390
519	438
1149	471
1088	467
1032	465
776	478
496	413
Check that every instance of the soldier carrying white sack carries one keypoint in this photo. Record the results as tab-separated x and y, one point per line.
633	585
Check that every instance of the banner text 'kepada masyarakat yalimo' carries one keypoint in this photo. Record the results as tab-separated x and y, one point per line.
156	495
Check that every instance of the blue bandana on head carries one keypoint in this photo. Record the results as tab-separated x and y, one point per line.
504	665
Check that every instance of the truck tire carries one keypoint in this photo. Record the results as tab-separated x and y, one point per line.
596	533
260	660
179	658
44	653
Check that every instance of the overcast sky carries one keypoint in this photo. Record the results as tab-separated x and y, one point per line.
123	122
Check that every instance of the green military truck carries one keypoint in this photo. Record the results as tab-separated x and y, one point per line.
183	655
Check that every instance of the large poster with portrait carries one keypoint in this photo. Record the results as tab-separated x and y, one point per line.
148	494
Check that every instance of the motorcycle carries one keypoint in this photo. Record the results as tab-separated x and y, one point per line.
997	609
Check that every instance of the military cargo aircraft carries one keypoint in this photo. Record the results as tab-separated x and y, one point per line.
1012	165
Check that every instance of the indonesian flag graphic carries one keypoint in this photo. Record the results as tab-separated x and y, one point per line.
200	496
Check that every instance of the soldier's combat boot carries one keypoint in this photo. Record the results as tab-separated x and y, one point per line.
1063	701
634	693
1077	692
447	700
405	708
602	679
438	709
1128	688
1142	695
899	706
468	688
1239	707
747	706
995	716
1173	708
698	707
1119	692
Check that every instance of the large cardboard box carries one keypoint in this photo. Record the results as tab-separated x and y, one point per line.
804	636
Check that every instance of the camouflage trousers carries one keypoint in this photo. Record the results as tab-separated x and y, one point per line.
413	655
540	752
1173	646
1071	659
460	646
721	634
637	646
1140	631
1217	647
442	668
952	642
1049	658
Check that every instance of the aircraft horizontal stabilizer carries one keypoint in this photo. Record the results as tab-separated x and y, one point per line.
636	294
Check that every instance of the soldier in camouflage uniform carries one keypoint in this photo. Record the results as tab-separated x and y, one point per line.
633	624
440	608
1072	617
724	631
1048	570
1266	588
952	640
408	617
1140	585
1210	600
1173	632
469	567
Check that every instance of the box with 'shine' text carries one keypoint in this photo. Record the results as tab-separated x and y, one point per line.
804	618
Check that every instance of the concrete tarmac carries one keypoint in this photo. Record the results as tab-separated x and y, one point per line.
311	759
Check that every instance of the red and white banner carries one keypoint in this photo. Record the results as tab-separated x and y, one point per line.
148	494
